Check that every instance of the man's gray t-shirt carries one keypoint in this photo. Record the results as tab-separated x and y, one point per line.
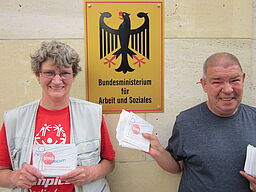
213	148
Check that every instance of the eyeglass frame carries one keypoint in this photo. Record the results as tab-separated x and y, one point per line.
52	74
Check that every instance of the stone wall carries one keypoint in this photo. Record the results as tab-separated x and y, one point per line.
194	30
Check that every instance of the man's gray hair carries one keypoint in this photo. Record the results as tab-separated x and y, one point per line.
214	59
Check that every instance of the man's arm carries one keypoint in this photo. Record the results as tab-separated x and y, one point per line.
85	174
161	156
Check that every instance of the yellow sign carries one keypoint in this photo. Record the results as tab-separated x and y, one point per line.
124	55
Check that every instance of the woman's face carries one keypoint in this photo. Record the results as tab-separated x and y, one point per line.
55	82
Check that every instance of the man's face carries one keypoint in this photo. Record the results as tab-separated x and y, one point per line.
224	87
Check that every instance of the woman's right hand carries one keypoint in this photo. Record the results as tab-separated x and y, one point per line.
26	177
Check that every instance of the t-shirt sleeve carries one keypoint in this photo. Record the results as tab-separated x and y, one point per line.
107	150
4	153
175	144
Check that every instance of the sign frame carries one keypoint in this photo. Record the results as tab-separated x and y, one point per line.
141	89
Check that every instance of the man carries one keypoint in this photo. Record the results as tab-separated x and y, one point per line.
209	140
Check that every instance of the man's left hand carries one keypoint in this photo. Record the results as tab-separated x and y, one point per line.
251	179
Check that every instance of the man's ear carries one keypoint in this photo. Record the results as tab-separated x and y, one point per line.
203	83
243	77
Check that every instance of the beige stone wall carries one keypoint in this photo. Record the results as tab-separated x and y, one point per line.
193	30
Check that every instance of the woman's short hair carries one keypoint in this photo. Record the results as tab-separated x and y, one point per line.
61	54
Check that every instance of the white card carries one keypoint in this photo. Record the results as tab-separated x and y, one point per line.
55	160
129	131
250	162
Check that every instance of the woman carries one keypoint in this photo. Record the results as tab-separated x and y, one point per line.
55	119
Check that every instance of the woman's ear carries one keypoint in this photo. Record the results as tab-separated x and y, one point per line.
38	78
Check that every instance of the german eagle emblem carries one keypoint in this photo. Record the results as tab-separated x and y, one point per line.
124	41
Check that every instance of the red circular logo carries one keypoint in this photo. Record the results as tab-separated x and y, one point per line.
48	158
136	129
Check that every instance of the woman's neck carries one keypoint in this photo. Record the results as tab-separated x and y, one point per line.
53	105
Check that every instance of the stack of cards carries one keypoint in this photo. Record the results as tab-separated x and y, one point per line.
250	162
129	131
55	160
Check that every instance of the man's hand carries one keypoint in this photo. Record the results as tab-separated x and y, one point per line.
155	146
26	177
161	156
251	179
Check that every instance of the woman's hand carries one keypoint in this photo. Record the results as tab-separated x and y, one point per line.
81	175
26	177
85	174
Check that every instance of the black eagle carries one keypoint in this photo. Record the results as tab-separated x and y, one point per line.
138	39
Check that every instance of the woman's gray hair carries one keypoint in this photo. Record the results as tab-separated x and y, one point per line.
61	54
